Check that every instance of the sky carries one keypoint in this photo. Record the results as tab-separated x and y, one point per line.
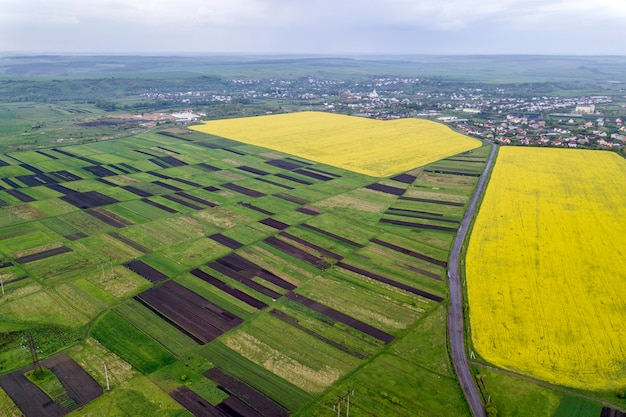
566	27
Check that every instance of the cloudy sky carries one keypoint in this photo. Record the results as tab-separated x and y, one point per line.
315	26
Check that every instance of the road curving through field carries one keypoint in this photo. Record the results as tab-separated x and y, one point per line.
456	333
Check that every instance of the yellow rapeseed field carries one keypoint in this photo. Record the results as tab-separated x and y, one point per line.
546	267
371	147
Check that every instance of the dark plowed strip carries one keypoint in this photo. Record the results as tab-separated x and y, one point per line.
109	218
19	195
414	215
426	200
75	236
410	253
195	199
237	262
464	174
319	249
209	168
65	175
168	150
235	407
423	272
387	189
32	168
109	183
478	161
145	271
291	198
30	399
145	152
159	175
171	135
196	405
255	208
45	154
244	280
278	225
391	282
252	170
120	169
158	162
35	179
63	152
99	171
42	255
293	251
169	321
284	317
172	161
187	182
405	178
392	210
159	206
324	172
243	190
334	236
252	397
233	151
167	186
182	202
137	191
211	188
281	163
60	188
343	318
78	384
129	242
129	167
418	225
297	161
309	211
286	187
240	295
87	200
226	241
294	179
313	175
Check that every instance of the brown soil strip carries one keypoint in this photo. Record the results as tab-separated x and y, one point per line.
209	168
159	206
286	187
426	200
308	244
418	215
170	160
243	190
109	218
281	163
195	199
157	161
418	225
294	322
29	397
99	171
423	272
130	242
145	271
295	252
343	318
226	241
334	236
42	255
182	202
18	194
291	198
387	189
137	191
309	211
252	397
198	316
89	199
294	179
255	208
247	281
240	295
78	384
196	405
167	186
464	174
392	210
405	178
278	225
252	170
313	175
391	282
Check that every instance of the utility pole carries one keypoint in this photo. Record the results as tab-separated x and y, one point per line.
33	352
2	284
340	399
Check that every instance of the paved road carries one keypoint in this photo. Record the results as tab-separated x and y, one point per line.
455	315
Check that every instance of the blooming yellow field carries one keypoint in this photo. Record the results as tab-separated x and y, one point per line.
546	267
371	147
